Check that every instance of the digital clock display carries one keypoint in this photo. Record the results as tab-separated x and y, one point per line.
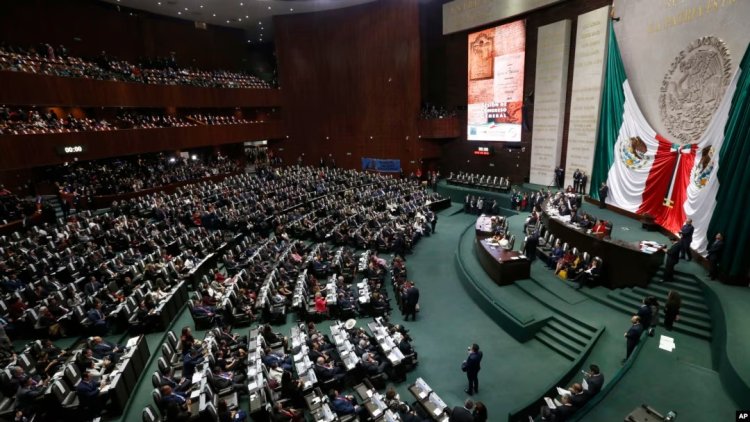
71	149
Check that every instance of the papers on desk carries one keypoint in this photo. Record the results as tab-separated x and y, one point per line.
562	392
552	404
585	385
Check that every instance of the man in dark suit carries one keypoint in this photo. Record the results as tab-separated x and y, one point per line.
633	335
714	255
89	393
463	414
584	181
686	238
577	180
603	192
189	361
531	244
594	380
473	365
564	412
410	299
106	350
673	256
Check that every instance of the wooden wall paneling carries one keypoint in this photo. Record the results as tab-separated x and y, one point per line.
350	74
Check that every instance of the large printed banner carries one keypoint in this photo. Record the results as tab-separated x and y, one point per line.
496	63
381	165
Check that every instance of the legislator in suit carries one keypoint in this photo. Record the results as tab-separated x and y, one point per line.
633	335
473	366
462	413
714	255
603	192
673	256
686	238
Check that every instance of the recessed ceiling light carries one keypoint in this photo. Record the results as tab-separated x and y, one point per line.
259	23
291	9
158	3
269	7
247	17
242	4
179	13
186	9
239	20
201	6
214	14
227	20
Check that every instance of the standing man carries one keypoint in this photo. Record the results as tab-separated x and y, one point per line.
559	174
584	182
410	299
472	368
577	180
633	336
433	221
531	244
603	192
673	256
686	238
714	255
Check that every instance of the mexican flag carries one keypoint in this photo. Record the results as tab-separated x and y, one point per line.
645	171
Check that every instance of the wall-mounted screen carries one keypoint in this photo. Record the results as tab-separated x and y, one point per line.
496	64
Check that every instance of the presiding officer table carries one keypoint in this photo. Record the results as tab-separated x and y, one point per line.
624	264
504	266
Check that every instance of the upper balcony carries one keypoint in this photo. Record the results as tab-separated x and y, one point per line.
38	90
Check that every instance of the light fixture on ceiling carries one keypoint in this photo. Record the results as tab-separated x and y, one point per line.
201	6
269	7
186	9
214	14
179	13
291	9
158	3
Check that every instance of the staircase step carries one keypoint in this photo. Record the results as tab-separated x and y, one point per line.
552	343
680	327
687	318
684	311
565	331
660	290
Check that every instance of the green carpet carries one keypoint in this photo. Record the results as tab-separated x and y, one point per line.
514	373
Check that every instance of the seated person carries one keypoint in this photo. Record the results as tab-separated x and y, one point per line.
277	358
326	371
600	228
555	255
345	405
320	304
372	365
587	276
565	261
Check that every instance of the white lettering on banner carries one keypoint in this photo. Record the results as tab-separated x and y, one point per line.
553	51
459	15
588	76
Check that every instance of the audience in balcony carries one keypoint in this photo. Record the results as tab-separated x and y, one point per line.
32	121
46	60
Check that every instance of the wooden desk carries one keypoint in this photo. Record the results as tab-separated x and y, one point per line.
503	266
624	265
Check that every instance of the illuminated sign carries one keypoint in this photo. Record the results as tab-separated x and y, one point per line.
71	149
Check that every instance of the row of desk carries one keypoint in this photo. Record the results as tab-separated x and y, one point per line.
624	264
504	266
